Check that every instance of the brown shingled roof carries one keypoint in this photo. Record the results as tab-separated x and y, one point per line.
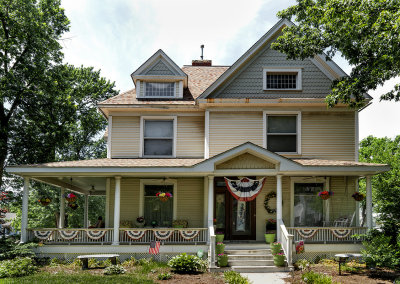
335	163
199	79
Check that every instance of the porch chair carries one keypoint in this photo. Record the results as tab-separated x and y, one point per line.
344	221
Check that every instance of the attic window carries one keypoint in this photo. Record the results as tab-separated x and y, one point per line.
282	79
159	90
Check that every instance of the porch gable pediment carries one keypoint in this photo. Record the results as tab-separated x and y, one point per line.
246	161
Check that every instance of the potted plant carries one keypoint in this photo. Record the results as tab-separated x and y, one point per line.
44	201
164	196
325	194
73	206
358	196
275	247
270	231
70	197
219	237
219	248
279	259
222	260
140	222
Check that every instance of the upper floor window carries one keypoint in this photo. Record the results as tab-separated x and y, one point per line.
159	90
158	137
282	79
282	133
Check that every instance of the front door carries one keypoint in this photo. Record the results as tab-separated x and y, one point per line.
236	219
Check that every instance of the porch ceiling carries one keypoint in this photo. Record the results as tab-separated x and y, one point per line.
83	185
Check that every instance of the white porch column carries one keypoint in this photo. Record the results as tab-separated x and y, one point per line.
278	206
117	210
369	202
62	209
24	217
86	212
107	213
210	201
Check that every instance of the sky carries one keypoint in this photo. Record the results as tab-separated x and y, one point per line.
117	36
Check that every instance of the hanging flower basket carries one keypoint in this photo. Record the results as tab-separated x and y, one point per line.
325	194
70	197
73	206
44	201
358	196
164	196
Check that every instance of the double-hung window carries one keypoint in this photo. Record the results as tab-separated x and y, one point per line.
282	133
158	137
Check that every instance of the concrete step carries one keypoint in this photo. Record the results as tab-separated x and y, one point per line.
250	262
258	269
250	257
248	251
246	246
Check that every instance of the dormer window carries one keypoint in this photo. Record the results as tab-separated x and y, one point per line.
282	79
159	90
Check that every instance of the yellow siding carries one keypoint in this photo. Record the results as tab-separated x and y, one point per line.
190	201
125	136
328	135
228	130
342	204
190	136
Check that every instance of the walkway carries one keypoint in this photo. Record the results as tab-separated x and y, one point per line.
267	278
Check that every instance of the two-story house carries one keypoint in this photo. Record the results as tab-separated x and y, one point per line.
234	146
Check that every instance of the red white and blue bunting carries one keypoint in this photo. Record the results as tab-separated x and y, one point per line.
163	234
95	235
245	189
42	235
307	233
68	234
189	234
341	233
135	234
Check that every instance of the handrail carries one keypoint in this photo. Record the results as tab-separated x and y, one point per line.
69	229
212	246
287	242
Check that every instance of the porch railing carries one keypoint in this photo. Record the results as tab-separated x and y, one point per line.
327	234
175	237
211	250
287	242
76	236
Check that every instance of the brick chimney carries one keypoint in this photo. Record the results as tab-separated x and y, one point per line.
201	62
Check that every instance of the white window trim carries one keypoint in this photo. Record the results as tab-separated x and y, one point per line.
141	145
173	182
159	97
299	77
283	113
325	181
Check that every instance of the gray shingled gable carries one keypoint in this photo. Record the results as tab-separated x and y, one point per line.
159	68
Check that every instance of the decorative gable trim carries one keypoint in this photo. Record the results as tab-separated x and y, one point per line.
329	68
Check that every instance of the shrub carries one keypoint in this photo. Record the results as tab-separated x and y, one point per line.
17	267
10	249
114	270
164	276
301	264
312	277
185	263
233	277
129	263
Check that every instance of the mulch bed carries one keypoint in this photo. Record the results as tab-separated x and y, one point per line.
205	278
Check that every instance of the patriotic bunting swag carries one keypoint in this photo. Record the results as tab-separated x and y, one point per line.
135	234
42	235
95	235
189	234
245	189
307	233
341	233
68	234
163	234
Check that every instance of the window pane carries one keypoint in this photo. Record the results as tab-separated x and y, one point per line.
155	209
308	206
159	128
281	124
160	89
281	81
282	143
158	147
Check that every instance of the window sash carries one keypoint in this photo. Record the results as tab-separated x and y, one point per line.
159	89
281	81
162	135
275	134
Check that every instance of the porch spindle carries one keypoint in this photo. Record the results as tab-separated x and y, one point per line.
369	202
210	200
24	217
278	205
62	209
117	210
86	212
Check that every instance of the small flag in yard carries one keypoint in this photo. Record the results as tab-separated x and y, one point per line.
154	248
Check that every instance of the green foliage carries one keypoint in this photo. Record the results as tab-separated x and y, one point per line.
17	267
129	263
114	270
186	263
311	277
57	262
149	266
233	277
302	264
10	249
364	32
164	276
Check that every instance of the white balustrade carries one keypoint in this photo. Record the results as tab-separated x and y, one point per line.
286	241
211	250
325	234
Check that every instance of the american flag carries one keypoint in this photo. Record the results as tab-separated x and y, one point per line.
154	247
